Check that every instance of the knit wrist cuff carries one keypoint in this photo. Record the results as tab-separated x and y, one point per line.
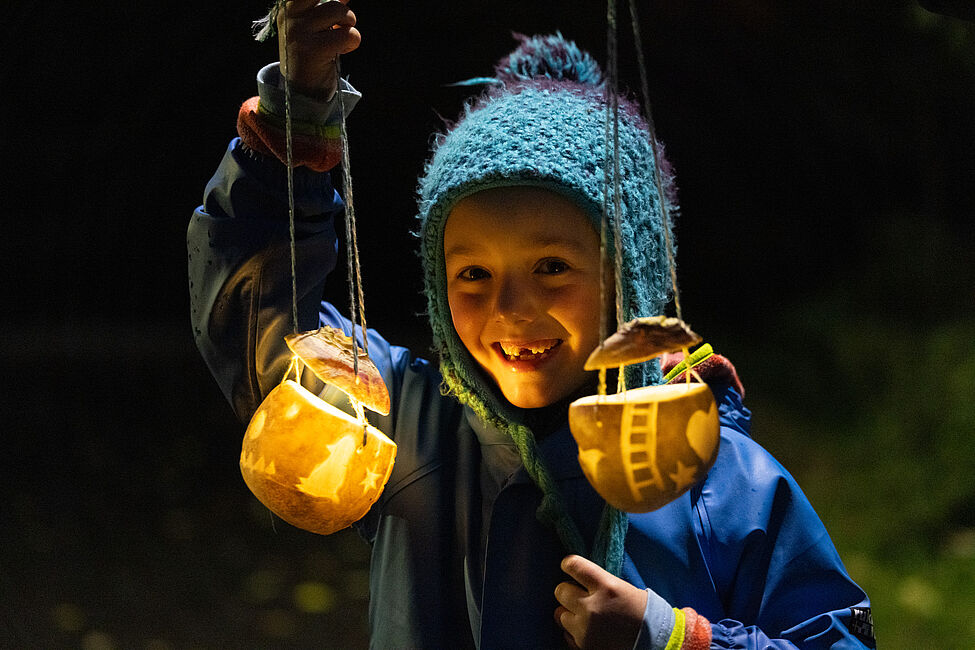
307	149
691	631
316	136
714	369
668	628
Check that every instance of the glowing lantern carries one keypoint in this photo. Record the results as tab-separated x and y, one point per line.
313	465
642	448
310	463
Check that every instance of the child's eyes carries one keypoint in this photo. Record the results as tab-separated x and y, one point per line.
548	266
552	266
473	273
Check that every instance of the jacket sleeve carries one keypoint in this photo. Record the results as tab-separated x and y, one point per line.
238	240
773	563
239	260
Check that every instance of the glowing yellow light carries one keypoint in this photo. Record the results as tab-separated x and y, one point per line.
667	441
313	465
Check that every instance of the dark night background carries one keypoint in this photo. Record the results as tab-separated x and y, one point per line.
825	153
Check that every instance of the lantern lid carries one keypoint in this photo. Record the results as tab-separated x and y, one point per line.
333	357
642	339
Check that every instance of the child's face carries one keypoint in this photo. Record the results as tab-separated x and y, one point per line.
523	287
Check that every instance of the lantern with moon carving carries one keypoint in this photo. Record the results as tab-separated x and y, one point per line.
642	448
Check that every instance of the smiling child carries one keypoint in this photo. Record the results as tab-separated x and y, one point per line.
487	533
522	267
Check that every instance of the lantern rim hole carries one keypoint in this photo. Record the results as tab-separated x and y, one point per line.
645	394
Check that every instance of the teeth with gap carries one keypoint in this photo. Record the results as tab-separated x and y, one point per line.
517	350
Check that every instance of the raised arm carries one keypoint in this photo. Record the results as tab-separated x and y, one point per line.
238	240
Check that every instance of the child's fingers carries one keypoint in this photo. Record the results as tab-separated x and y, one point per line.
328	28
325	16
326	44
567	620
569	595
301	23
296	6
569	641
311	35
588	574
560	611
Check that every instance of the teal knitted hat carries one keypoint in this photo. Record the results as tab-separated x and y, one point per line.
542	122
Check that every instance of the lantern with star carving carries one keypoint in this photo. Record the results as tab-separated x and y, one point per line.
310	463
313	465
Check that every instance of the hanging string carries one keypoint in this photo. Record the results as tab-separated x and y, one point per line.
604	222
612	126
289	165
617	205
357	311
657	177
296	366
356	293
608	546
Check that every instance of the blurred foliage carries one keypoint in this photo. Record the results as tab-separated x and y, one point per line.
872	409
824	151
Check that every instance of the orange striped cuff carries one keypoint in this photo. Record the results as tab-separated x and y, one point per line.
697	631
318	149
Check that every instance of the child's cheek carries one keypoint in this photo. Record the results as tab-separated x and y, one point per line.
464	310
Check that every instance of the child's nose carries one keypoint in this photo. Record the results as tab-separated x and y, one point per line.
514	301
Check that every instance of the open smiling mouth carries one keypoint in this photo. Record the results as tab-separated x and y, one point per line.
531	351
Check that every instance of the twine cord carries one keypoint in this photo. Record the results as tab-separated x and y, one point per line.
612	530
610	91
603	236
289	164
617	202
357	308
658	180
608	543
611	165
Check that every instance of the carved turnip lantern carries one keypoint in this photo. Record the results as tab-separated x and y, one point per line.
642	448
313	465
310	463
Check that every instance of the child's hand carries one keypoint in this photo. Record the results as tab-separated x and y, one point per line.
604	612
310	36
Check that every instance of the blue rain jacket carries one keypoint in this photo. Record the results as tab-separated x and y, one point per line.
458	556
